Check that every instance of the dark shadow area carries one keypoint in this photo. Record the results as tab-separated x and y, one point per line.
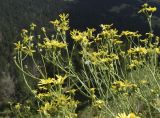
122	13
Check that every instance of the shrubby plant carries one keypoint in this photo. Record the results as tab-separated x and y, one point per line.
117	71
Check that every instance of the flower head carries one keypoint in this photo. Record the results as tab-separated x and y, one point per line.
121	115
49	44
147	9
48	81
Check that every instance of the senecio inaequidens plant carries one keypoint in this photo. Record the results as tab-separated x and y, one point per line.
118	72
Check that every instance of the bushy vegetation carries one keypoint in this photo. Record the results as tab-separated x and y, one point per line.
116	72
15	15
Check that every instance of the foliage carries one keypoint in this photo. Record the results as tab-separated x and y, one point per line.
15	15
118	71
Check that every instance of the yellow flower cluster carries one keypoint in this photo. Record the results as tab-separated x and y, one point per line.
101	53
98	104
52	44
135	63
26	45
137	50
123	86
61	25
44	82
58	104
123	115
108	33
130	34
83	37
18	46
147	9
33	26
90	32
106	26
45	95
52	81
27	49
102	57
117	41
78	36
27	38
150	35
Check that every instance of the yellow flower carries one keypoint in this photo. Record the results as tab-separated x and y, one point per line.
130	34
18	106
18	45
117	41
76	35
123	86
44	95
105	26
141	50
24	32
157	50
150	35
47	106
109	34
98	37
105	60
61	25
102	57
63	16
32	26
118	84
43	29
92	90
99	103
49	44
131	66
135	63
145	41
60	79
72	91
132	115
46	81
121	115
113	56
147	9
151	9
55	23
90	33
29	51
82	37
